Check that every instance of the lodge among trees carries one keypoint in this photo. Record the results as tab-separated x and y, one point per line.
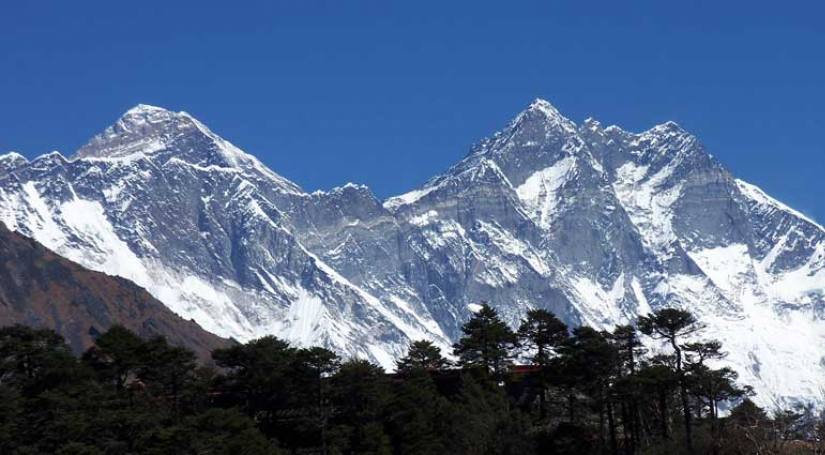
542	389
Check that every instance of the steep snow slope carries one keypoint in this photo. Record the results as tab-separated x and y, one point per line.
596	224
41	289
159	199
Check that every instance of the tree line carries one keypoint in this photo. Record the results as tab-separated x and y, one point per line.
540	389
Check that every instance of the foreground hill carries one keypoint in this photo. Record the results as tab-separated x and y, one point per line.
41	289
595	223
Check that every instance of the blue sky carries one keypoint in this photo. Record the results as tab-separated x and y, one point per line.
391	93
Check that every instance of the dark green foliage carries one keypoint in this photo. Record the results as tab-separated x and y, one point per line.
483	422
284	389
541	333
311	398
10	409
588	358
422	355
488	343
216	431
257	380
569	439
417	416
628	346
128	396
671	325
34	360
585	392
361	392
117	356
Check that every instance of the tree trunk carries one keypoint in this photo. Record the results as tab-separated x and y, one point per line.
627	429
683	394
663	407
602	443
611	425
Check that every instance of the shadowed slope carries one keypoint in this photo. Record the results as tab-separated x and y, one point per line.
40	288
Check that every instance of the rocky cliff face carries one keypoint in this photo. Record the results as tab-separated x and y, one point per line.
594	223
41	289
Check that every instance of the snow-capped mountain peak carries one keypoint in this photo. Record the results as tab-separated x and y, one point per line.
599	225
757	195
47	160
163	136
146	130
542	112
12	159
145	109
12	156
547	109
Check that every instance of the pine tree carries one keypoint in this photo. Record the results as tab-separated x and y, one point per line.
169	369
483	422
487	343
311	383
422	355
228	432
629	349
34	360
117	356
130	395
541	334
749	429
671	325
699	374
711	387
418	416
360	395
590	364
656	382
258	379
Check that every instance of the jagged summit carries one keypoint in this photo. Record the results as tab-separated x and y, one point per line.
147	112
163	136
591	122
145	119
142	130
347	187
12	156
668	127
544	106
11	161
52	157
543	111
145	108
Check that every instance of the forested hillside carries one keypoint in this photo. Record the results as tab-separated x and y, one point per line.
541	389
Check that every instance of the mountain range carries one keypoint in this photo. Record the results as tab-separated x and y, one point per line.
592	222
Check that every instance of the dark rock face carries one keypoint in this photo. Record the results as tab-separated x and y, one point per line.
596	224
42	289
